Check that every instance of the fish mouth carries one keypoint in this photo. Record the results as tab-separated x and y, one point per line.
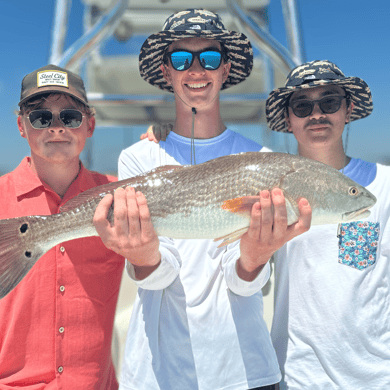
355	215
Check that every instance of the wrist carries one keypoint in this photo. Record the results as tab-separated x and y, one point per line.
248	272
143	271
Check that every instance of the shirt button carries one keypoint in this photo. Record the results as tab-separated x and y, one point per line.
61	330
62	249
62	288
60	369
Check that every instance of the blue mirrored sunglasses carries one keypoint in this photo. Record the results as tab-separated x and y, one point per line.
209	59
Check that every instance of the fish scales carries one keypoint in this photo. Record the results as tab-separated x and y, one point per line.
211	200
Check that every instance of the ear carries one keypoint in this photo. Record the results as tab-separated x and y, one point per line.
166	73
20	123
288	121
91	126
226	71
349	112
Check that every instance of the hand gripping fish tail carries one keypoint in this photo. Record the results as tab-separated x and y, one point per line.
212	200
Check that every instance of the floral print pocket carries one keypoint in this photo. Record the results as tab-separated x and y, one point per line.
358	242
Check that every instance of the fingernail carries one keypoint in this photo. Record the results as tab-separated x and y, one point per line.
265	194
277	192
304	202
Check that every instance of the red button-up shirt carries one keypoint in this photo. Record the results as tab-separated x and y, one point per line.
56	325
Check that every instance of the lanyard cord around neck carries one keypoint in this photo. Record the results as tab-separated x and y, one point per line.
192	136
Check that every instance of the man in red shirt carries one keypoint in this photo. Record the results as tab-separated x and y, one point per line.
56	325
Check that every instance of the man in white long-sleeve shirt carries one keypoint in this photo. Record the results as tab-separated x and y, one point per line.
197	320
331	328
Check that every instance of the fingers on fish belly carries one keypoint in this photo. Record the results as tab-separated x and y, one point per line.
16	255
244	205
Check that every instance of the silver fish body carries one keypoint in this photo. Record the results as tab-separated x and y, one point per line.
212	200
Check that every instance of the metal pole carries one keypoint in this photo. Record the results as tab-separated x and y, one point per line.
293	30
59	29
279	55
101	30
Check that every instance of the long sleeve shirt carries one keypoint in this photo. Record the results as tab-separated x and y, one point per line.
195	323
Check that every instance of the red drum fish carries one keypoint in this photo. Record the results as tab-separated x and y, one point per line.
212	200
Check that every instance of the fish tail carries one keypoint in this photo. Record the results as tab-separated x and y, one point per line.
17	252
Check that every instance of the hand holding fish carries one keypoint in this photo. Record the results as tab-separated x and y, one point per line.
213	200
132	235
268	231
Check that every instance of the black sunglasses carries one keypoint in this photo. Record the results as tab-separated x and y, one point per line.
328	105
42	119
209	59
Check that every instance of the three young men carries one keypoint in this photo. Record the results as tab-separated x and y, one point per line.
197	320
56	325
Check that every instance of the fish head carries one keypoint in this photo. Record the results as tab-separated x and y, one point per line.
357	203
343	200
333	197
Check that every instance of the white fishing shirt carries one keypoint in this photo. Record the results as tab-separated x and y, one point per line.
195	324
331	327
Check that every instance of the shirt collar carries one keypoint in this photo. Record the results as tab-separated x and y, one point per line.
83	181
25	180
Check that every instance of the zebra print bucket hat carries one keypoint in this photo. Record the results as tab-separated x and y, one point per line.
314	74
195	23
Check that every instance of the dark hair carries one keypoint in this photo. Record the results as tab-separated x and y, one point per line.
348	98
37	101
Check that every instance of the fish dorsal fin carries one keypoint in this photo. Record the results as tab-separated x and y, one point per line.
109	188
165	168
94	192
241	205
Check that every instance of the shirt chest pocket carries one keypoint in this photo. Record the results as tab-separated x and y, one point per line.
358	244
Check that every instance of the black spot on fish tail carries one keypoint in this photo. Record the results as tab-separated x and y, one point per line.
17	255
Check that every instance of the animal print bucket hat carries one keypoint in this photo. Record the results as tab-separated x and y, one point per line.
195	23
314	74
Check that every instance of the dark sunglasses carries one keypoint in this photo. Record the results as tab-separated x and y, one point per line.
328	105
42	119
209	59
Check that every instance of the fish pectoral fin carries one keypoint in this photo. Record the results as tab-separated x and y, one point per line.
241	205
231	237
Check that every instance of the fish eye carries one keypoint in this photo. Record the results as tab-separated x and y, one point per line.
353	191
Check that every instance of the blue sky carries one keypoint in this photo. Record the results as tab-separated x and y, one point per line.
349	33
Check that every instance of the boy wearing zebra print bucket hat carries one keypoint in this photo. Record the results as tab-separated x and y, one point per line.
330	328
197	321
